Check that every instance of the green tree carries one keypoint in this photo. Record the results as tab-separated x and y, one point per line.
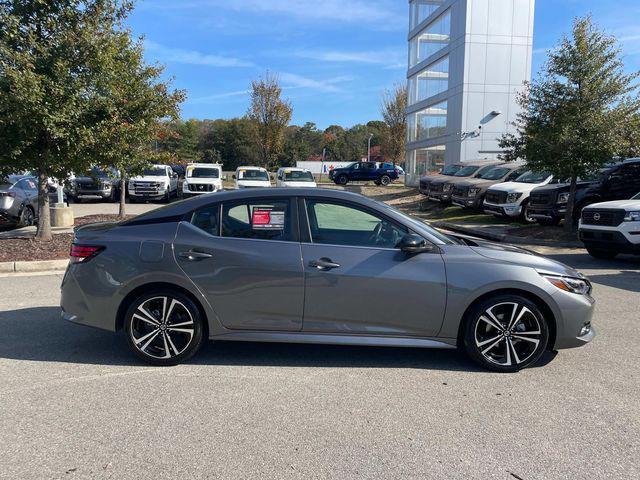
574	115
50	62
393	110
133	100
270	115
300	143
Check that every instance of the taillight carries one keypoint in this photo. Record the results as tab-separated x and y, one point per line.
8	194
83	253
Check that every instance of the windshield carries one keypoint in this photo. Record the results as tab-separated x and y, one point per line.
450	170
446	239
154	172
253	175
203	172
495	173
533	177
297	176
466	171
99	173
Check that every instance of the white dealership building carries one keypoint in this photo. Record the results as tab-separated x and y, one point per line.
468	59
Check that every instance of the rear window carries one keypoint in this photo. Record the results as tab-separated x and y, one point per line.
266	219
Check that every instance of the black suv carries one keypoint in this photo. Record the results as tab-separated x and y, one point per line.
380	174
620	181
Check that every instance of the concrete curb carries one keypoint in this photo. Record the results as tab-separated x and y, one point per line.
503	237
37	266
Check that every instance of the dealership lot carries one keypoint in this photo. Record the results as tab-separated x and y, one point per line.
76	403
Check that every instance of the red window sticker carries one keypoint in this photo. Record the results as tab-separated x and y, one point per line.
262	218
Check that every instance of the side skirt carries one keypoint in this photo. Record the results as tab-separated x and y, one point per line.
334	339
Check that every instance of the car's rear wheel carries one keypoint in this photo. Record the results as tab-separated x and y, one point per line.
385	180
505	333
27	217
164	327
342	180
602	254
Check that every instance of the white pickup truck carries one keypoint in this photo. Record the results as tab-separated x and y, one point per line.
202	178
511	199
610	228
158	182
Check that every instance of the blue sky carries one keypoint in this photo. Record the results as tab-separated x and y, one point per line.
334	57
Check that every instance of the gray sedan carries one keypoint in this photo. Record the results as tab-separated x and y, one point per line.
18	201
317	266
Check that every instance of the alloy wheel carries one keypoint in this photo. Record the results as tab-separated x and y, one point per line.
508	334
27	217
162	327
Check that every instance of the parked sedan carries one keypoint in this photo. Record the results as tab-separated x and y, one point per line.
19	201
309	265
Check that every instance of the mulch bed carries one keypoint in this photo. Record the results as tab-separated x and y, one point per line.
28	249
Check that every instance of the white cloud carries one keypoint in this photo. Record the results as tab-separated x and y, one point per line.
388	58
292	80
385	13
192	57
219	96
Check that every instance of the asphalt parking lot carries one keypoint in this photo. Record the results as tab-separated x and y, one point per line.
76	404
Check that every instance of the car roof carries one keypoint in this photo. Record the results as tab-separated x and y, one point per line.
184	207
250	168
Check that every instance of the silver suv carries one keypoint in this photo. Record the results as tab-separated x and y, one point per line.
310	265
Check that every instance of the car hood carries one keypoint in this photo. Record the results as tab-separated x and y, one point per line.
436	177
516	187
449	179
477	182
149	178
628	205
520	256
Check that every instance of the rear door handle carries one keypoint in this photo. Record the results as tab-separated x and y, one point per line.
194	256
324	263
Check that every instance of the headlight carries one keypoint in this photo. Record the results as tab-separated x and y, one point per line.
569	284
447	187
513	197
632	217
563	198
473	192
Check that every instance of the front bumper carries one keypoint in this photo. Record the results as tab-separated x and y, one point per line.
92	193
466	202
547	213
505	210
440	196
144	196
611	238
575	328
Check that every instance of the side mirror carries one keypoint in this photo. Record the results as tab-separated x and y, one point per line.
412	244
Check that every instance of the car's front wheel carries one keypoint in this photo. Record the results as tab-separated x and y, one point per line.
164	327
27	217
342	180
505	333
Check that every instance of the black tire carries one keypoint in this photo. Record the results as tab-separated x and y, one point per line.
167	197
524	215
602	254
486	344
342	179
152	343
377	182
385	180
27	217
549	222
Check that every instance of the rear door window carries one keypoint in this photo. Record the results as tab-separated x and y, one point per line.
208	219
267	219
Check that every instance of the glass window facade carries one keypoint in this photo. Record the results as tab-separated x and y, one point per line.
423	161
421	9
427	123
431	40
429	82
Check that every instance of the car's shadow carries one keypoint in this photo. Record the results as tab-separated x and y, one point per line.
39	334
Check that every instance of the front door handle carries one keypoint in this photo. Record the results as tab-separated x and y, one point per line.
324	263
194	256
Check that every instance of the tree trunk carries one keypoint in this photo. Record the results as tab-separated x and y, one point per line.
44	217
568	216
123	190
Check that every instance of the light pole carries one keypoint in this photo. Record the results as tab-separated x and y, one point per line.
369	147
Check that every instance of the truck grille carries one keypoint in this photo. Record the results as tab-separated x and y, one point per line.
605	218
460	191
496	197
201	187
436	188
89	186
541	199
146	188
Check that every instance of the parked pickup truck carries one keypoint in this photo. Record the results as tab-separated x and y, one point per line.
158	182
364	171
440	189
620	181
610	228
